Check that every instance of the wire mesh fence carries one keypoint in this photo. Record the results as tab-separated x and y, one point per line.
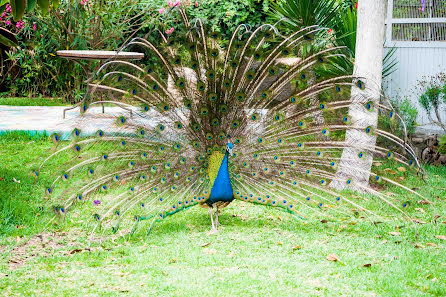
419	32
416	9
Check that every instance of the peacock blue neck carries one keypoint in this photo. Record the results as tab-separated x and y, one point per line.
222	188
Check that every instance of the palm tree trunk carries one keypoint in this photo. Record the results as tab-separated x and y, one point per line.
368	67
314	100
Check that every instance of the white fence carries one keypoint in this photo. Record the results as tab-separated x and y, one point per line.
419	35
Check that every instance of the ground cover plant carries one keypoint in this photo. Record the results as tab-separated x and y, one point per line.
259	251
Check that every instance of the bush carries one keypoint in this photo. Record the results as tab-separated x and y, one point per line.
106	25
433	98
74	25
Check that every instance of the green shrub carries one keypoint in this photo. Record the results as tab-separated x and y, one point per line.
442	145
105	25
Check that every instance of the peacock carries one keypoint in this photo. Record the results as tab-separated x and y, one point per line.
217	119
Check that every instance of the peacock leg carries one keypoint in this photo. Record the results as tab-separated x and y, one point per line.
216	219
214	228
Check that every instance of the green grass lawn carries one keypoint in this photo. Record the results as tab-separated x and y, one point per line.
24	101
258	251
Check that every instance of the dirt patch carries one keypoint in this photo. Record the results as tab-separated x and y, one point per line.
43	245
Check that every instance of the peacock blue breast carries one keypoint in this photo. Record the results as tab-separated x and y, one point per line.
222	188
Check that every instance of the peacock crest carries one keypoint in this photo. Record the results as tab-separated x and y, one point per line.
218	119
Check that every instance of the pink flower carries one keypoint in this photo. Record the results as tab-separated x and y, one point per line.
41	35
170	4
169	31
34	26
178	3
8	23
161	10
196	3
8	8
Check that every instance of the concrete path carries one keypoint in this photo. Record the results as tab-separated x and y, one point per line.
49	119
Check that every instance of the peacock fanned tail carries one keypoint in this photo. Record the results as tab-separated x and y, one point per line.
194	93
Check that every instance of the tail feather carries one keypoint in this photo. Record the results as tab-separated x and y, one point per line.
198	93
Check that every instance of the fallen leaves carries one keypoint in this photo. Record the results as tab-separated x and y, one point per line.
401	169
441	237
395	233
367	265
16	180
295	248
418	221
431	244
333	257
210	251
424	202
205	244
75	251
390	171
174	260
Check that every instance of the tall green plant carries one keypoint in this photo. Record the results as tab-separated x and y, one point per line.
304	13
104	25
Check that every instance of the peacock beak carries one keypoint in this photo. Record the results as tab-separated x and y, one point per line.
230	151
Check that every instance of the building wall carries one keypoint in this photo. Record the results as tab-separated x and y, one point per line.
414	63
418	32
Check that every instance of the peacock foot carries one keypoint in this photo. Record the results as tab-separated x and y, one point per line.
212	231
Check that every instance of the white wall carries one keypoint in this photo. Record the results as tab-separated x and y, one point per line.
413	64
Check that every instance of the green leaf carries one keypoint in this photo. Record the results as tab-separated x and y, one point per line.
55	3
6	41
18	9
44	5
31	5
3	5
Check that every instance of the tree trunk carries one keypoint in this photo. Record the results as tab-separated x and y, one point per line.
368	67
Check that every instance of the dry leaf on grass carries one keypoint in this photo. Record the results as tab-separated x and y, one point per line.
431	244
424	202
174	260
367	265
75	251
390	171
333	257
442	237
205	244
16	180
395	233
210	251
296	247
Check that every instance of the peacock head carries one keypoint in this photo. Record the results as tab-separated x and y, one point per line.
229	148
